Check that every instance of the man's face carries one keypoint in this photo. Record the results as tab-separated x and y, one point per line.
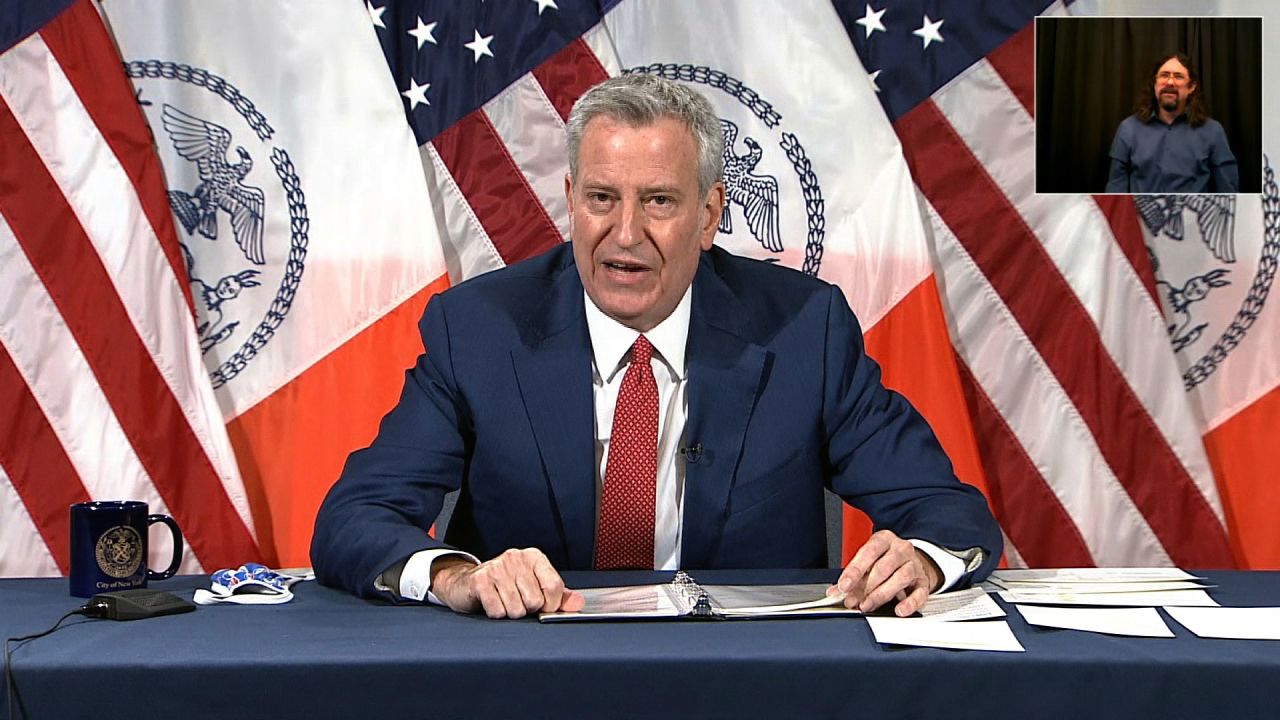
637	221
1173	86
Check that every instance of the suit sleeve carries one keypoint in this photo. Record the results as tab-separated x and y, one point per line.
389	494
885	460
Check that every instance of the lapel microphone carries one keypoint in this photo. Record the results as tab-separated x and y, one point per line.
692	453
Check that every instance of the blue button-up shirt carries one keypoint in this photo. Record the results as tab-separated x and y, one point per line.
1152	157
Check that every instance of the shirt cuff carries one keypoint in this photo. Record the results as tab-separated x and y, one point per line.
952	567
415	578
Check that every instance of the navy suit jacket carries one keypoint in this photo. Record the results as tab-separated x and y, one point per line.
782	399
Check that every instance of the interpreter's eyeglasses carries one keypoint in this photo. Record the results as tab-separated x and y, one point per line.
1174	76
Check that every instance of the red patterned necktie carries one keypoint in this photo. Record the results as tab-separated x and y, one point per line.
625	539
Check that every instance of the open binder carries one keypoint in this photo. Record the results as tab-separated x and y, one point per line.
683	597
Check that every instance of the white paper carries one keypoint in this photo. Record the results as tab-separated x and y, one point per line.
1261	623
770	599
628	601
1101	587
971	604
1179	598
922	632
1089	575
1135	622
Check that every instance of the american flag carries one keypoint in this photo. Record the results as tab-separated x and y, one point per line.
1092	455
487	87
103	394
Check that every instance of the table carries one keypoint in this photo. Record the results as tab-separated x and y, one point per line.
328	654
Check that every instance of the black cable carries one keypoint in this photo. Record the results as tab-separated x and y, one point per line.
10	689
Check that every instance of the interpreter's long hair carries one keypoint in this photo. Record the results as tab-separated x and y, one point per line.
1148	105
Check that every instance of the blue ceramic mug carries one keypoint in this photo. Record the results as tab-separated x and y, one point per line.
109	546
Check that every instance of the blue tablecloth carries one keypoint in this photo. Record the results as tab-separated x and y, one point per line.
327	654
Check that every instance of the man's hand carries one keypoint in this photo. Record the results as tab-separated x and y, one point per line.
514	584
887	567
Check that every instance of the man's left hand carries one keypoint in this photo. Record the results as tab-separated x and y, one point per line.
885	568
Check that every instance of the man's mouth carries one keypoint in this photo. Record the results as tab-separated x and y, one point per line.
625	266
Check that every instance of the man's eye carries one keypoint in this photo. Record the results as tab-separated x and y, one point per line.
660	200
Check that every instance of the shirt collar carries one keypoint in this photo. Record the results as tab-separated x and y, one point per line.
1180	117
611	340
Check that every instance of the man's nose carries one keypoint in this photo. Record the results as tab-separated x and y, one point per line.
631	223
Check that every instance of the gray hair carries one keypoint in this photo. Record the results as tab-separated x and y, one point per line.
639	99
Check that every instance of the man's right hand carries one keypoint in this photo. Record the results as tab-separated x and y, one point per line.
514	584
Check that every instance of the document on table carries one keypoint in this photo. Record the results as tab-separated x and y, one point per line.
1257	623
971	604
1136	622
684	597
923	632
1178	598
1090	575
1101	587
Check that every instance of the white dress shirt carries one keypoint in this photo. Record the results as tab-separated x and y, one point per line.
611	343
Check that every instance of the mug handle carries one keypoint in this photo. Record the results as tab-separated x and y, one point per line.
177	547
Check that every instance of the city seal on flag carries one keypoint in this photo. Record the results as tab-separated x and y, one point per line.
211	138
754	196
1193	244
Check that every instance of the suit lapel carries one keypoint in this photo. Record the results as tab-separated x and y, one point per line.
553	369
725	375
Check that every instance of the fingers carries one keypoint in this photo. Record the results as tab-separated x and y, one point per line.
573	601
855	572
885	568
512	585
550	586
904	579
912	603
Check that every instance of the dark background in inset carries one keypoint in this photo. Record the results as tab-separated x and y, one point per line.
1089	70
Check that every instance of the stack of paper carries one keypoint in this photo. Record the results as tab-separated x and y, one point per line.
1123	600
1112	587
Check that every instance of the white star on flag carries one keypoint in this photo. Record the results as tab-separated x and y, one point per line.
873	77
416	94
375	14
480	45
423	33
544	4
871	21
929	31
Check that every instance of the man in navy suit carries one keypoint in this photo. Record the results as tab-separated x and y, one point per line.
765	397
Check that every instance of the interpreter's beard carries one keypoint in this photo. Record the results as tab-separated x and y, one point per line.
1169	100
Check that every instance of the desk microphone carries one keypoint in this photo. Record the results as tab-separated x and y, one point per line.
692	453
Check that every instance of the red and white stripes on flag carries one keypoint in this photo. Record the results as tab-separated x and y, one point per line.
499	171
103	391
1093	454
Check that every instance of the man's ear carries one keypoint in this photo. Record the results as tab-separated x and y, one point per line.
715	208
568	192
